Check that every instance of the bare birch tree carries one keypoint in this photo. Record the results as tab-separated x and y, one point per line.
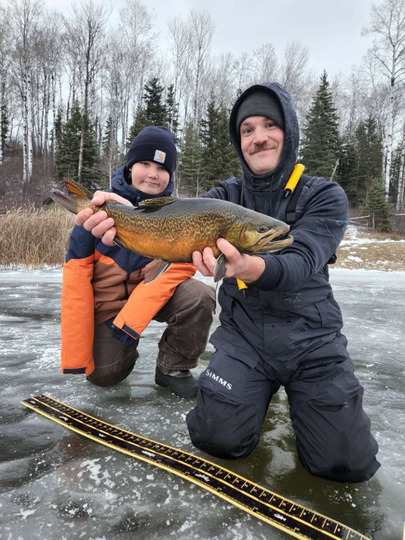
85	45
24	17
180	46
136	31
5	61
265	64
295	76
350	100
294	66
401	179
376	100
201	33
388	27
47	69
222	80
243	72
116	83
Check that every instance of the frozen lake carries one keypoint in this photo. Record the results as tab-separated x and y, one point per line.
58	485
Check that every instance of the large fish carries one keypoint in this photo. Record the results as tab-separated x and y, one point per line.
170	229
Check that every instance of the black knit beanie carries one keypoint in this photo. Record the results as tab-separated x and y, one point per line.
154	143
260	103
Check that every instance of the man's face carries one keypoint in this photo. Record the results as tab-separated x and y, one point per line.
261	142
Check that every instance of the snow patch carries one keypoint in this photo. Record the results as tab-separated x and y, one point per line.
25	513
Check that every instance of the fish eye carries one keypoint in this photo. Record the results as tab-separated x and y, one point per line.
262	229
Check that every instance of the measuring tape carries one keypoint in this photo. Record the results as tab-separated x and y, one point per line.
292	518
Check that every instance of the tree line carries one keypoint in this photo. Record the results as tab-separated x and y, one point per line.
75	89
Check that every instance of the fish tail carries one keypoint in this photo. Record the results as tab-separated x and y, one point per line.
76	194
65	200
76	189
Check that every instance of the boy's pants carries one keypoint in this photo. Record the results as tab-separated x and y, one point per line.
188	315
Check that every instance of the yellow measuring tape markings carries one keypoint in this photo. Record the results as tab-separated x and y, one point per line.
290	517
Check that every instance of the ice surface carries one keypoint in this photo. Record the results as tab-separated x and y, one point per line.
57	485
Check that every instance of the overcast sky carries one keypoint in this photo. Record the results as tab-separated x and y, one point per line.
330	29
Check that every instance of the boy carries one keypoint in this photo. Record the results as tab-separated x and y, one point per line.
105	303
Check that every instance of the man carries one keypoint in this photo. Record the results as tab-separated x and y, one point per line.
285	329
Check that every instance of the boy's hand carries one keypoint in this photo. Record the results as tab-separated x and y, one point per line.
99	224
248	268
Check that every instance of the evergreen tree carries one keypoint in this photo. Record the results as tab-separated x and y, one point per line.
347	169
321	143
172	111
190	159
110	143
4	128
111	158
66	161
360	186
57	130
226	159
360	161
378	207
208	137
138	125
67	157
395	173
155	110
370	155
219	158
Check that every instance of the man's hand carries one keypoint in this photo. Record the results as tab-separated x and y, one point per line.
248	268
99	224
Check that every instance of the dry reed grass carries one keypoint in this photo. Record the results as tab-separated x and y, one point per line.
380	251
31	237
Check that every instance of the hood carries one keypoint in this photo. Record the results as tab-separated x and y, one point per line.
278	178
120	186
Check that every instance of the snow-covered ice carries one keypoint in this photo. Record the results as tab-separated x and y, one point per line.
55	484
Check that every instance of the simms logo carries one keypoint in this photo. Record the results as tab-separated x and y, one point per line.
218	379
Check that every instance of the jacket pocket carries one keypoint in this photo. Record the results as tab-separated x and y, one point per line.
282	338
329	312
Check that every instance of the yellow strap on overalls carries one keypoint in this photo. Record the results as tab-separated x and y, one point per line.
241	284
294	179
288	189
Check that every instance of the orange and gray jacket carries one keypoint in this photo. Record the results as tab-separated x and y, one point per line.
101	283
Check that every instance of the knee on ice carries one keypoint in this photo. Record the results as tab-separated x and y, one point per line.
221	446
344	470
221	441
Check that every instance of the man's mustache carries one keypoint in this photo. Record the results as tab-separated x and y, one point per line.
261	147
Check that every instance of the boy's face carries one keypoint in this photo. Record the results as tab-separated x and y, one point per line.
149	177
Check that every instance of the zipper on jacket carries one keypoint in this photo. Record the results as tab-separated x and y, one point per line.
126	290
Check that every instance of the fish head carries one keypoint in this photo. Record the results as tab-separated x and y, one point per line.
259	234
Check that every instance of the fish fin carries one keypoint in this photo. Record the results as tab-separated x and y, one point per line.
220	268
154	269
119	243
76	189
158	202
